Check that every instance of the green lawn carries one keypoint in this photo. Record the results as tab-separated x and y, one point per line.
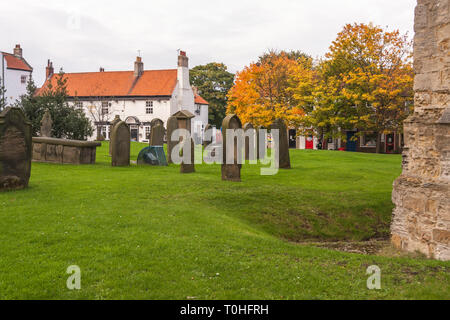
152	233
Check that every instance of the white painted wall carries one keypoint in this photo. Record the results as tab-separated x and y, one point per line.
13	85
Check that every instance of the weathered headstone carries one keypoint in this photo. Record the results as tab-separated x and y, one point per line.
421	218
208	141
184	122
15	149
153	155
172	125
283	143
157	135
188	167
230	171
121	145
111	132
155	122
249	143
46	125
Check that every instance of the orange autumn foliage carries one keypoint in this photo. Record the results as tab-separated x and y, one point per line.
266	90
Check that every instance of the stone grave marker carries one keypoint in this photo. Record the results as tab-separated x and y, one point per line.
121	145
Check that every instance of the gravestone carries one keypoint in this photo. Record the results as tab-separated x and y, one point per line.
121	145
421	218
207	142
230	172
172	125
188	167
155	122
111	132
15	149
283	143
249	126
184	122
46	125
157	135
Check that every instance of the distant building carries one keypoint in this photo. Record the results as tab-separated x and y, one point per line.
137	96
14	74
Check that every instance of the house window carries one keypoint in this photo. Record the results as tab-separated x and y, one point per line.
104	132
369	140
147	133
149	107
23	79
198	109
79	104
105	107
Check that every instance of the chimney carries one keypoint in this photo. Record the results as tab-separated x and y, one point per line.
18	51
183	71
49	69
183	61
138	67
102	69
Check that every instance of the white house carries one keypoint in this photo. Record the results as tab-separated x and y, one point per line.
14	74
137	96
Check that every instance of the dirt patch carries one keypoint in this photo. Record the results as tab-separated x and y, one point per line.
372	247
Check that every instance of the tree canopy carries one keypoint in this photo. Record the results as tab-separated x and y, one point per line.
213	82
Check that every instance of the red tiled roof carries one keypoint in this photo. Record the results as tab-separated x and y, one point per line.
119	84
13	62
200	100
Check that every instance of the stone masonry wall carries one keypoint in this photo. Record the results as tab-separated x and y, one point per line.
421	218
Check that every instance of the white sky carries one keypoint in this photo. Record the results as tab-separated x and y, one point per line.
82	35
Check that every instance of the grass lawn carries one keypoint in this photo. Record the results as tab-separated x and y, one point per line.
153	233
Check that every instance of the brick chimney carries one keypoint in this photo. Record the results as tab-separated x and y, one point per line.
18	51
102	69
183	70
49	69
138	67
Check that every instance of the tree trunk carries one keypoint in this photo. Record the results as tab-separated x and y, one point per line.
378	142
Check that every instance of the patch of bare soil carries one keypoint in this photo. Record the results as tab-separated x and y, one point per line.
371	247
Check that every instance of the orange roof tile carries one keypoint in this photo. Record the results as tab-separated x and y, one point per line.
200	100
13	62
119	84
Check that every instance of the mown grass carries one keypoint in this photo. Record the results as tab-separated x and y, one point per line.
153	233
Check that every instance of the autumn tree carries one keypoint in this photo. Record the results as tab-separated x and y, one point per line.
213	81
366	83
270	89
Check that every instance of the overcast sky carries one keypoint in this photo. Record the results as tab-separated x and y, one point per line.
83	35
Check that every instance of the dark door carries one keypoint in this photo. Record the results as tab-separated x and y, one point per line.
134	134
351	144
292	138
390	143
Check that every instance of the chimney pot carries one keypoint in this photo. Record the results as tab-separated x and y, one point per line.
138	67
183	60
18	51
49	69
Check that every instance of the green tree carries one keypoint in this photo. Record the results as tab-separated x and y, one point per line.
2	98
68	122
213	82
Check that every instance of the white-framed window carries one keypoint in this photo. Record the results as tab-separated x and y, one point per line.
79	104
149	107
369	140
23	79
147	132
104	132
105	107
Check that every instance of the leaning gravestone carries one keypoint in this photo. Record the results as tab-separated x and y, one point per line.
15	149
111	134
157	135
283	143
172	125
153	156
230	171
121	145
46	125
